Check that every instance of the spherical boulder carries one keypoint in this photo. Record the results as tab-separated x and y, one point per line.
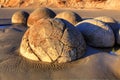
40	13
113	24
70	16
20	17
53	40
96	33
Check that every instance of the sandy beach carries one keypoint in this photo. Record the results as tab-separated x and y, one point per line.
95	65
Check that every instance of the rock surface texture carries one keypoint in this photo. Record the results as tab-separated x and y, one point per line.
96	33
52	40
40	13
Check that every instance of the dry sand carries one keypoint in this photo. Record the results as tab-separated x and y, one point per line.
94	65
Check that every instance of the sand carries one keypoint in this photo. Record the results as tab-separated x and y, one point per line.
95	65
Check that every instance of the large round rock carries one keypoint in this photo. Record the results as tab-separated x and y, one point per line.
113	24
96	33
70	16
20	17
40	13
52	40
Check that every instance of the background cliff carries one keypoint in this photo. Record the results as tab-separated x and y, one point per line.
78	4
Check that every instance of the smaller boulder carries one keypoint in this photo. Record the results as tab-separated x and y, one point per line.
113	25
20	17
70	16
40	13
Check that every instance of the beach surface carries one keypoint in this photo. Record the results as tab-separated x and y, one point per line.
95	65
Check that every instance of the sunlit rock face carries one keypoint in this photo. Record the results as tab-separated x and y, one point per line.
40	13
52	40
113	25
20	17
70	16
96	33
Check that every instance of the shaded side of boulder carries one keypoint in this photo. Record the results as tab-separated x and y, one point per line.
70	16
52	40
40	13
96	33
113	25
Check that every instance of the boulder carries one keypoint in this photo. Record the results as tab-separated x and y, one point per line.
113	25
20	17
52	40
40	13
96	33
70	16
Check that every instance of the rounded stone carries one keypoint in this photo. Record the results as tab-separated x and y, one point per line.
70	16
40	13
113	24
96	33
53	40
20	17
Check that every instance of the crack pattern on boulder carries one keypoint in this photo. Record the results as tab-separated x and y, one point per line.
40	13
52	40
96	33
70	16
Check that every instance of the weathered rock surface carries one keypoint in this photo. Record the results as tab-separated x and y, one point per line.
20	17
52	40
70	16
96	33
40	13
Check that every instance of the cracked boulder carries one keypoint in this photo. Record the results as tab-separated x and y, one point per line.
113	25
40	13
52	40
70	16
96	33
20	17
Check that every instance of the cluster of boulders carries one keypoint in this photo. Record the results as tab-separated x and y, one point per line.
62	37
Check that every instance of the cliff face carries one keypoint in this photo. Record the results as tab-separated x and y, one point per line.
62	3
